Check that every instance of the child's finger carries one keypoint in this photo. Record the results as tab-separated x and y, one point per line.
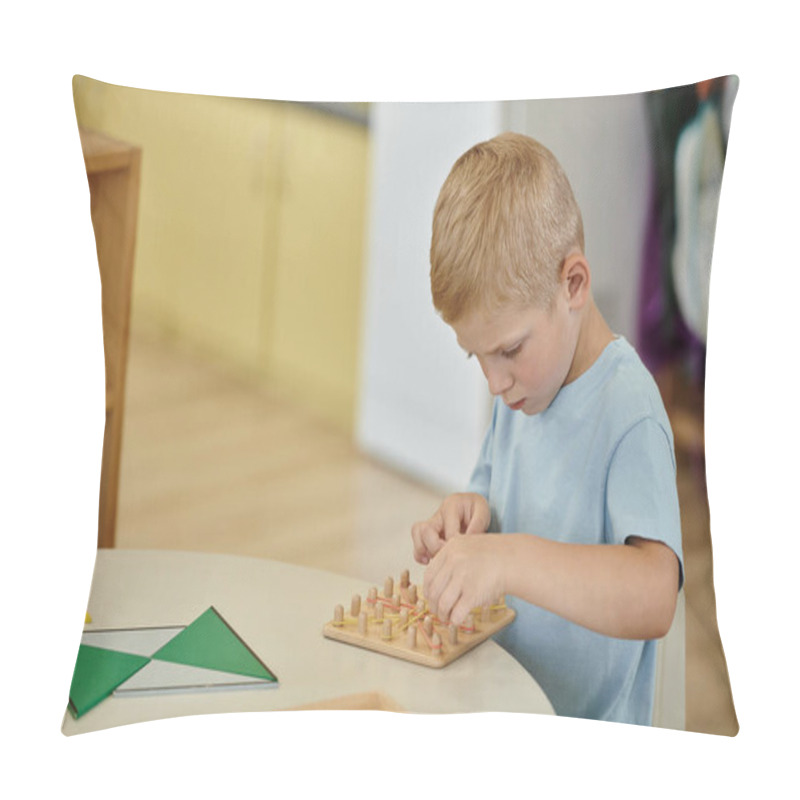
478	522
448	600
453	516
426	540
420	551
460	610
435	580
416	538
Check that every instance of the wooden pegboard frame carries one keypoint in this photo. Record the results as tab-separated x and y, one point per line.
397	622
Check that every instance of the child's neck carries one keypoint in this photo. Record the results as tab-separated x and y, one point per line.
593	337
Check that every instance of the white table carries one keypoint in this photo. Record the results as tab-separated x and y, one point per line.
279	610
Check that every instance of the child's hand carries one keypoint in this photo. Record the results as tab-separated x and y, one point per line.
466	573
459	513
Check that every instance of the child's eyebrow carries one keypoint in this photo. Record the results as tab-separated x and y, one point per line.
501	348
514	344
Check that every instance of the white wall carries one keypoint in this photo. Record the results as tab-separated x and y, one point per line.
602	145
423	406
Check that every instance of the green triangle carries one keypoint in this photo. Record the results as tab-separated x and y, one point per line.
209	642
97	673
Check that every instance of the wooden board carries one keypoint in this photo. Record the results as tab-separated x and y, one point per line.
396	622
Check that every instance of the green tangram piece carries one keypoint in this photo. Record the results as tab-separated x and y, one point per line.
97	673
208	642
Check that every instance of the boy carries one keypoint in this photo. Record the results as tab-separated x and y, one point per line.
577	470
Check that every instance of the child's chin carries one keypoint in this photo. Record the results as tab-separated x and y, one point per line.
531	408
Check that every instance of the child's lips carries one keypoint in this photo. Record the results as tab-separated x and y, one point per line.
518	405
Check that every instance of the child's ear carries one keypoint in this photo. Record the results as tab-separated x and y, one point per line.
576	275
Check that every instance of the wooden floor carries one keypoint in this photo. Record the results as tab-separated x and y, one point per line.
211	463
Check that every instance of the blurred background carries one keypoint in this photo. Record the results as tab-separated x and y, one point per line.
282	386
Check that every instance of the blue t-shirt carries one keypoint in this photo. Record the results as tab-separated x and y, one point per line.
597	466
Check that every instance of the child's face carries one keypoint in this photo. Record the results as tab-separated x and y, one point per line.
526	353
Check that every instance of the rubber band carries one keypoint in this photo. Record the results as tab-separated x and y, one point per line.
388	603
412	618
434	647
467	628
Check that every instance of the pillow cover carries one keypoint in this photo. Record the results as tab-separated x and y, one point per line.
261	231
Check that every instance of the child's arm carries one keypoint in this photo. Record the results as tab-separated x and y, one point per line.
464	512
627	591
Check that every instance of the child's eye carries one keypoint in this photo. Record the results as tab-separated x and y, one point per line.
512	352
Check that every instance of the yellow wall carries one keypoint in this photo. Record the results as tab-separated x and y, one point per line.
250	233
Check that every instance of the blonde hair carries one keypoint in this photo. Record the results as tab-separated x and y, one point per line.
504	222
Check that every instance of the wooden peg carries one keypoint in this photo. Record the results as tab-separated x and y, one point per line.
338	616
411	637
412	594
372	596
362	623
427	624
436	644
469	624
388	588
387	629
453	634
355	605
404	617
404	579
396	601
379	612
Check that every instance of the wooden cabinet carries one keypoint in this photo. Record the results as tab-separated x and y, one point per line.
113	170
310	333
250	243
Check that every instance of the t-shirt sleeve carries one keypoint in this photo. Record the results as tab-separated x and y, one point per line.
641	492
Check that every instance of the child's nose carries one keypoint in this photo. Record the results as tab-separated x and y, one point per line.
499	380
